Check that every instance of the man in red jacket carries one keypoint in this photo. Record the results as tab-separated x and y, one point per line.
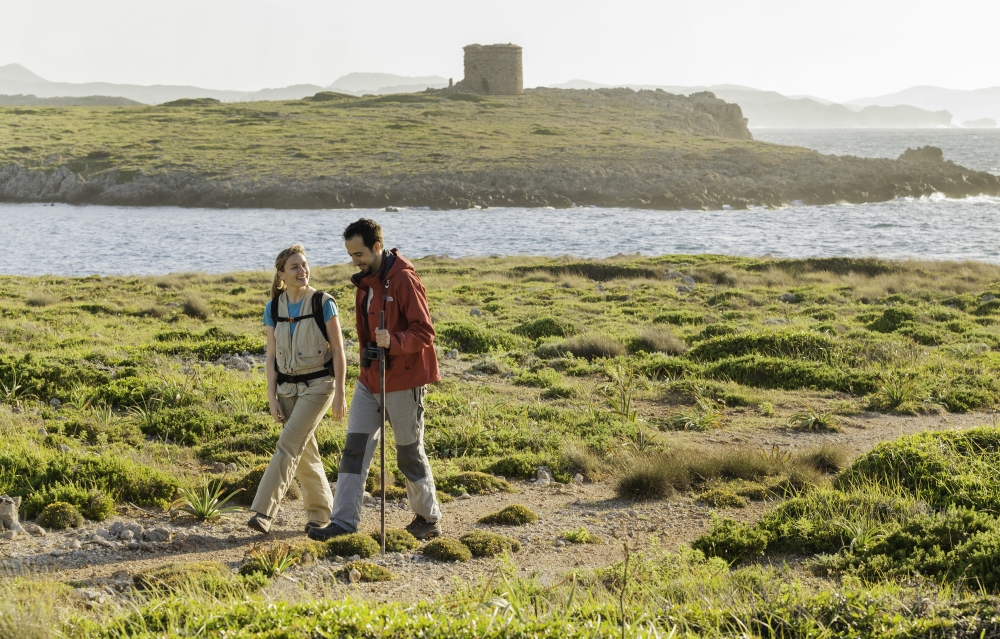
386	281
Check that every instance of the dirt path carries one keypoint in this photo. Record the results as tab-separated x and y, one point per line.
83	557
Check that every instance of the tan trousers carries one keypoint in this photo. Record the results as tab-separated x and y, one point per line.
297	454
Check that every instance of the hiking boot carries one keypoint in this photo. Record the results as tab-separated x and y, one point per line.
260	523
315	524
423	529
327	532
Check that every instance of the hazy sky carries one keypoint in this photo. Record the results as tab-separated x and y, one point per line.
839	49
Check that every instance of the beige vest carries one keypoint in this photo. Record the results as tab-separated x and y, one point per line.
307	350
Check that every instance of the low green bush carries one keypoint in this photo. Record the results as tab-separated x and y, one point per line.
210	577
595	345
722	498
60	516
482	543
474	483
471	338
513	515
732	540
445	549
679	318
544	327
777	344
656	339
396	540
893	319
367	572
92	503
353	544
776	372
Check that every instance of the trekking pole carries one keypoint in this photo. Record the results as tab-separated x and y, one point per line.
381	399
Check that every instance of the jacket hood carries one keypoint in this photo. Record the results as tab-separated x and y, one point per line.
392	264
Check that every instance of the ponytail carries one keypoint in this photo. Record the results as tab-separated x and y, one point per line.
278	285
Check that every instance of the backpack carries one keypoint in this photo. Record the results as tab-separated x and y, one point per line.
317	316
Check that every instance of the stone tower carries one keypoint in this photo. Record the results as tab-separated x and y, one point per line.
493	69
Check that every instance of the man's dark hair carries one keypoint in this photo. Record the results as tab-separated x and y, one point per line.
369	231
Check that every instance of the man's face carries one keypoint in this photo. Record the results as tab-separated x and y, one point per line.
366	259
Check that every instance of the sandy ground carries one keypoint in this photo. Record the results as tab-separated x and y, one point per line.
82	557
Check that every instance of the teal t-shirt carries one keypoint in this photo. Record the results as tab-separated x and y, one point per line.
294	310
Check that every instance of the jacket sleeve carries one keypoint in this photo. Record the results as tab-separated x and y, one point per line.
412	300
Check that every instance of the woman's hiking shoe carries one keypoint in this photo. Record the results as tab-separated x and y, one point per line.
260	523
315	524
423	529
327	532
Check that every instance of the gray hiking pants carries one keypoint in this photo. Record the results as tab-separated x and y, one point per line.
405	412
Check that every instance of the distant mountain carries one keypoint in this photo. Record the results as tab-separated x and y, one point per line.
964	105
17	73
16	80
89	100
385	83
772	109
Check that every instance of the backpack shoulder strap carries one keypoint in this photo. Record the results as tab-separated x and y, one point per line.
275	313
317	309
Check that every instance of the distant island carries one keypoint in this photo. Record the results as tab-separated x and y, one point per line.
448	149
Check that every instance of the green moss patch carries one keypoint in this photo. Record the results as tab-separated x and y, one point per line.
482	543
396	540
513	515
367	572
353	544
445	549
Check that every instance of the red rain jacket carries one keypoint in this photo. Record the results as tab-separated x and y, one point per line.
412	361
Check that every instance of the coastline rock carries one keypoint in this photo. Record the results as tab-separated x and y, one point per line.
9	522
922	154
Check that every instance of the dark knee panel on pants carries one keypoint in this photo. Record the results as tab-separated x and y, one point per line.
353	457
409	462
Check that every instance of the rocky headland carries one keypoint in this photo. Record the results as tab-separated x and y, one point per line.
676	152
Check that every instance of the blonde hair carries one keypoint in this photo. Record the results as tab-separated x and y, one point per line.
277	285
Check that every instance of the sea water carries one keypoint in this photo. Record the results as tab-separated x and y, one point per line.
39	239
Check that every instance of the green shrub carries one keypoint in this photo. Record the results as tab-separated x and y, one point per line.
826	458
892	319
92	503
544	327
679	318
662	366
776	344
722	498
445	549
196	307
60	516
581	536
544	378
353	544
474	483
521	465
367	572
482	543
790	374
396	540
732	540
513	515
595	345
655	339
211	577
652	478
470	338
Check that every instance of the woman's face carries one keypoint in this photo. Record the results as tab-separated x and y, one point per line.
296	273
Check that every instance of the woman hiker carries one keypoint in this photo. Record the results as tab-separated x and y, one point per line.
305	375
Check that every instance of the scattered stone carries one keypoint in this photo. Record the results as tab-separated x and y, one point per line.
34	529
132	545
9	535
685	289
63	448
543	476
452	354
560	543
578	479
55	403
355	575
8	515
99	541
475	312
231	468
231	539
219	467
672	275
126	535
465	496
157	534
788	298
42	431
687	280
775	321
